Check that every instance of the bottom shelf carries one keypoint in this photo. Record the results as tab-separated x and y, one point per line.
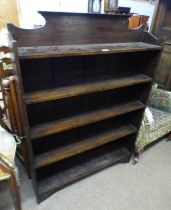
79	167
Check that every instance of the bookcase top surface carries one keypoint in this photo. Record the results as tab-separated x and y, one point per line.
85	49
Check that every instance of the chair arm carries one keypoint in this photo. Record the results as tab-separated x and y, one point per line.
160	99
147	119
10	167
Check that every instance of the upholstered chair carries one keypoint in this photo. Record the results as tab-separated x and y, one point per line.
8	169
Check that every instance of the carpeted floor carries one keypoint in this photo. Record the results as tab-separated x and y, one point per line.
145	186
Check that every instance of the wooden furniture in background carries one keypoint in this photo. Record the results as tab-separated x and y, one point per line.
94	6
81	94
137	20
10	115
9	13
7	116
110	6
8	169
161	27
134	22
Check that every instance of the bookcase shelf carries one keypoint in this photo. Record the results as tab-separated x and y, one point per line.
81	94
86	49
85	88
87	164
83	145
84	119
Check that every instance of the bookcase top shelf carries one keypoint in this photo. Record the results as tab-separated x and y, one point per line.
84	49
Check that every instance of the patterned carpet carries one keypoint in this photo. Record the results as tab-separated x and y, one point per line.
145	186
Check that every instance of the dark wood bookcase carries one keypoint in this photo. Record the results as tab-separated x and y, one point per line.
82	83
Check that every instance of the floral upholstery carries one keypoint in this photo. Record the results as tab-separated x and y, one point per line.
157	118
160	99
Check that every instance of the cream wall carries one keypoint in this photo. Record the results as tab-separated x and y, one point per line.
30	17
9	12
29	9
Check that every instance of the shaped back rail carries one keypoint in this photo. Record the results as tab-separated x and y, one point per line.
75	29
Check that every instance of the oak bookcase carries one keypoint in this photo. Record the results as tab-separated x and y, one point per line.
82	83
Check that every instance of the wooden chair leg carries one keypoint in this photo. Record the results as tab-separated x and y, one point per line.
15	191
136	155
169	137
